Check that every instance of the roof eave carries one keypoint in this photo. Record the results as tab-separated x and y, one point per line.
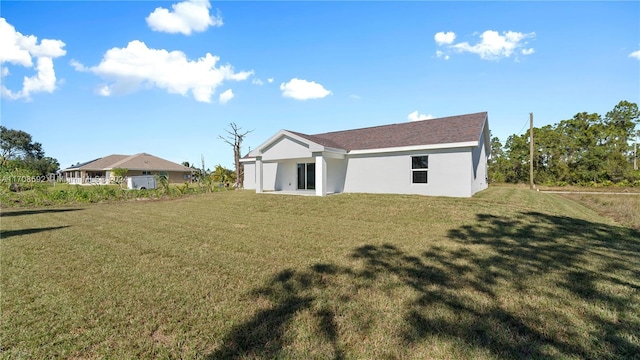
335	150
415	148
81	168
340	152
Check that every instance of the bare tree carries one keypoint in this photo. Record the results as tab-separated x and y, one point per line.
234	138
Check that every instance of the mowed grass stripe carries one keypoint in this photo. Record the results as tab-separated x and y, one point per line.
508	273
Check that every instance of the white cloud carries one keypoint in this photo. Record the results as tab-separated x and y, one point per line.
76	65
257	82
47	48
18	49
440	54
14	46
270	80
494	45
226	96
356	97
139	66
445	38
104	90
4	71
415	116
186	17
303	90
635	54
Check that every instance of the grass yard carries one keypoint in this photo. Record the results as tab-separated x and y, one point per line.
509	273
625	209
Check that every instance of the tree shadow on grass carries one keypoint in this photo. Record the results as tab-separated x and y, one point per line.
446	307
487	290
33	212
263	336
4	234
595	264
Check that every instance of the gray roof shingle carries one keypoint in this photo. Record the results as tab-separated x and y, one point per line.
451	129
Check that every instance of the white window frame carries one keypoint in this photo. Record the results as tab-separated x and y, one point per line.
414	170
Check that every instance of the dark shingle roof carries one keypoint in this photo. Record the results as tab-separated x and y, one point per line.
452	129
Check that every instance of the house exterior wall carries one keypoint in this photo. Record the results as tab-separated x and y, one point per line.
179	177
249	175
279	165
269	171
448	173
175	177
104	176
287	173
336	172
479	175
282	175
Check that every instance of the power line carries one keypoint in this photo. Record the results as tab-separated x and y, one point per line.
523	126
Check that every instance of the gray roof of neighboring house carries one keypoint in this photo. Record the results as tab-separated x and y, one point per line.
446	130
142	161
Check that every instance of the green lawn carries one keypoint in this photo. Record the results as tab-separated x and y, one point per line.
509	273
623	208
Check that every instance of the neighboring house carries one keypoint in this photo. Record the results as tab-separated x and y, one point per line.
440	157
100	171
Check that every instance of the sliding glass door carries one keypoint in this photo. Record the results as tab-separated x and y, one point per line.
306	176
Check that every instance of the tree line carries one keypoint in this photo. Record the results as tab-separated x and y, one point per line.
18	152
588	149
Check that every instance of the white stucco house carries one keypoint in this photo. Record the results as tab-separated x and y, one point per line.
438	157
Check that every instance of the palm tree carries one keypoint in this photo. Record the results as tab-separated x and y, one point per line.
223	175
163	183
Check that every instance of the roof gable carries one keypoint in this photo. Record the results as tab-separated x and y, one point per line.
296	137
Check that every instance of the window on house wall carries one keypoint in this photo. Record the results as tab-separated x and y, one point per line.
144	172
419	169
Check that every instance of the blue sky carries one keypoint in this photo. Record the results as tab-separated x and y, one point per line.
88	79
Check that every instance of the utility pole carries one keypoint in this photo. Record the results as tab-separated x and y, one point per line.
635	152
531	186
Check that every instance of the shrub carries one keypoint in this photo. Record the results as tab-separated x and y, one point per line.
623	183
183	189
607	183
42	194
